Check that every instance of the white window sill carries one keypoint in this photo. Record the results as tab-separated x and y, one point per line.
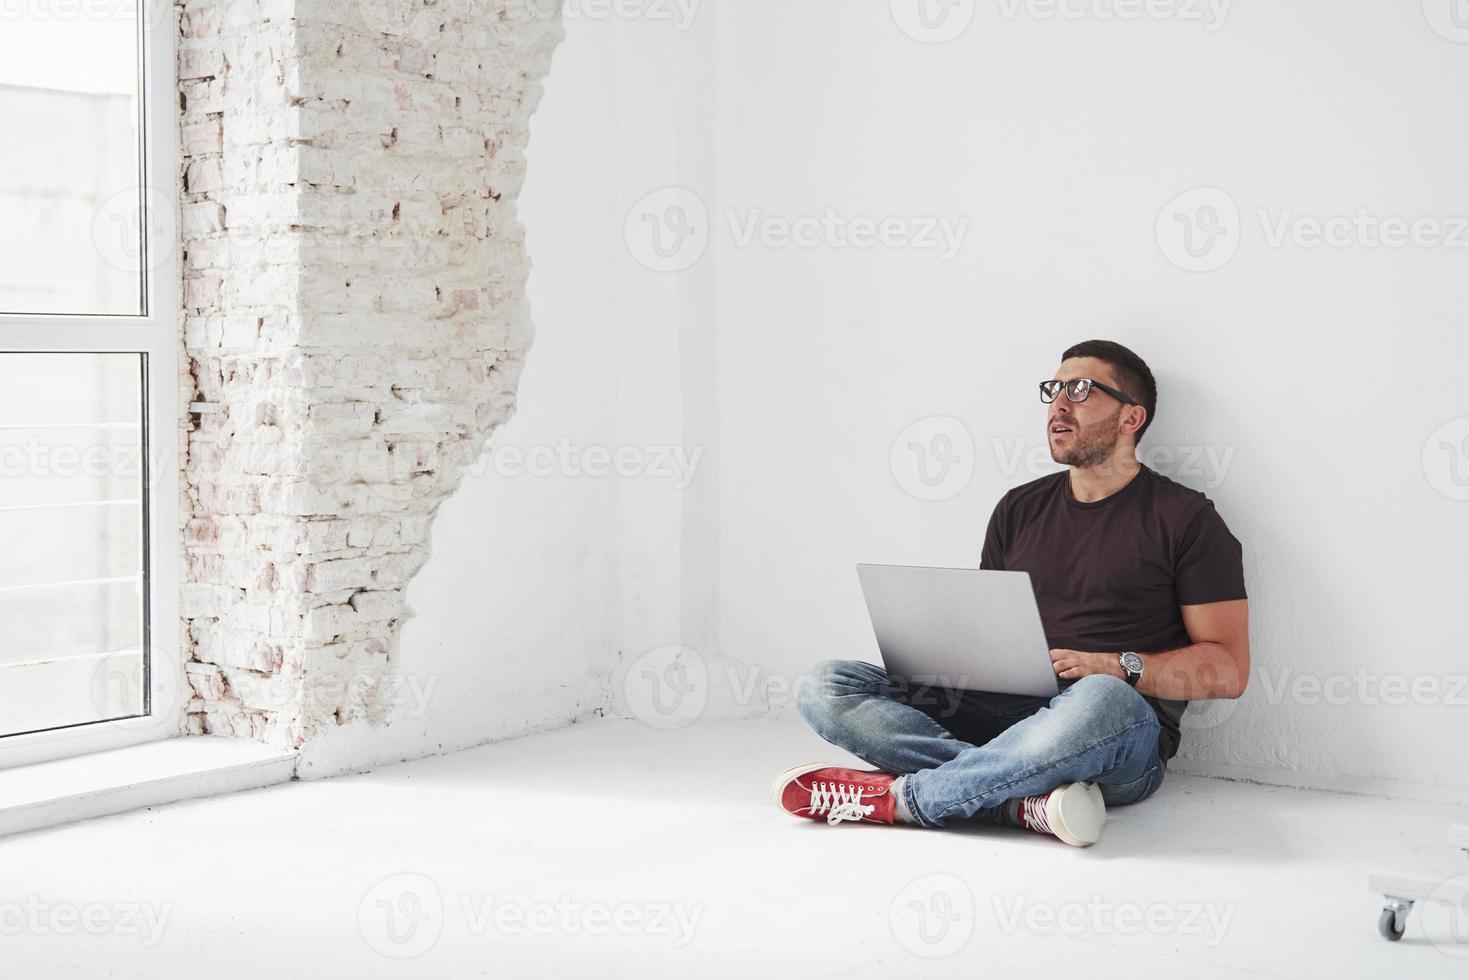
49	793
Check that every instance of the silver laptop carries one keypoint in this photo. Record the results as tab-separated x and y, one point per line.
959	628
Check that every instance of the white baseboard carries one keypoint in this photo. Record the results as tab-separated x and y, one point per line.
1296	779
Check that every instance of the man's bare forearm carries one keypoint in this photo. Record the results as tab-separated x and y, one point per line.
1216	665
1199	670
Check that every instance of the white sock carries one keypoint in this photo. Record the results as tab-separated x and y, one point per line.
900	801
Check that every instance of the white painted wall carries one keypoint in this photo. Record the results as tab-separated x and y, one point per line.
1059	141
1323	371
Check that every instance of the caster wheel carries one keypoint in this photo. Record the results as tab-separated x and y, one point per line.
1390	924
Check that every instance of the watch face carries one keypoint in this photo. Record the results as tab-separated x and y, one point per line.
1132	662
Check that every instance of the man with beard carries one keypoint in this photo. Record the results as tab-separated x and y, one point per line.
1141	592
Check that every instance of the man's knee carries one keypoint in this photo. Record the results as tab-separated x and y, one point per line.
821	693
1112	700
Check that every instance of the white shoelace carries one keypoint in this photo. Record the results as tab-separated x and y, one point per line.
1035	813
843	800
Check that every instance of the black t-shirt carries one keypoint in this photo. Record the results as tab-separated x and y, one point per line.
1110	575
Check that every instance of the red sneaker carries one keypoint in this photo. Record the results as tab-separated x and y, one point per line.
838	794
1073	812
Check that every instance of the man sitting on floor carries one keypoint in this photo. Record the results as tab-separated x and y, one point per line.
1141	592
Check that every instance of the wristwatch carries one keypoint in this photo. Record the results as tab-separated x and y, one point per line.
1132	666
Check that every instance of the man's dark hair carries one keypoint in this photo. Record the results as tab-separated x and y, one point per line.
1133	374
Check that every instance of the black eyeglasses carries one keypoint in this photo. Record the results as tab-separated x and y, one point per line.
1077	389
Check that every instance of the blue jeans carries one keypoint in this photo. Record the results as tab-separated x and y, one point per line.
1098	729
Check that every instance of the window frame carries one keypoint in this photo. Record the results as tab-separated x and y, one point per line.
155	335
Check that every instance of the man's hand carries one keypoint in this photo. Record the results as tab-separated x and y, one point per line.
1071	664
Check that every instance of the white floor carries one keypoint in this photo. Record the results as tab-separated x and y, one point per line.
615	848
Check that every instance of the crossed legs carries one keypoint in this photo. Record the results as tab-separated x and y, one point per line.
1099	729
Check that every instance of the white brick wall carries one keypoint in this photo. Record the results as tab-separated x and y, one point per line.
355	325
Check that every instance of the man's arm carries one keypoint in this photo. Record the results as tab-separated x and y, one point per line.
1215	665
